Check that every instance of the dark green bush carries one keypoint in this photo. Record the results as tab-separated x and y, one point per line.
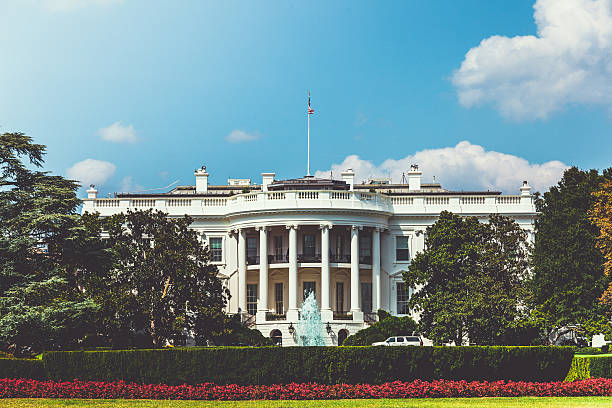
601	367
327	365
22	368
590	350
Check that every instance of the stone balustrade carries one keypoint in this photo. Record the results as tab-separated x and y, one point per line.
322	200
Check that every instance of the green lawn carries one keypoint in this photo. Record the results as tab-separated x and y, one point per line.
524	402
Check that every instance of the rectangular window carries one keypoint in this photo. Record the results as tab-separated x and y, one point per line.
366	297
401	249
252	250
339	297
365	249
308	246
402	298
252	298
278	248
310	287
278	298
216	249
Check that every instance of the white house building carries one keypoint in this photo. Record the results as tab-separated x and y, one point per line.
349	243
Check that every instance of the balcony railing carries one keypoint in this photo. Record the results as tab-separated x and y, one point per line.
272	317
274	259
356	200
366	260
309	257
252	260
342	316
342	258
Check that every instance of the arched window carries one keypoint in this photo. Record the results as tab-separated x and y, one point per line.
342	335
277	337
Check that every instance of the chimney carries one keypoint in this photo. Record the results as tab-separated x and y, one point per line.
92	192
266	179
348	177
525	189
201	180
414	178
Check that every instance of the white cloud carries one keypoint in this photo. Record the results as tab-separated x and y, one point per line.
127	184
462	167
240	136
529	77
118	133
91	171
67	5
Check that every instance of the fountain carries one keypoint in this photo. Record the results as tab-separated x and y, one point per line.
310	328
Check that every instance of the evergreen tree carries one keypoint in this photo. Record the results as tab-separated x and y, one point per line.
568	273
40	305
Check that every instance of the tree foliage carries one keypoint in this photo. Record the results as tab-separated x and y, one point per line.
470	279
40	305
160	281
601	215
568	272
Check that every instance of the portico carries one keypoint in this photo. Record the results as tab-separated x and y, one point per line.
277	264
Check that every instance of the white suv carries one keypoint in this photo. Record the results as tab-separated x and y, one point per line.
401	341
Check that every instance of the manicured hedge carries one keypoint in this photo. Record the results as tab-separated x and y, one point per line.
596	366
22	368
323	365
591	350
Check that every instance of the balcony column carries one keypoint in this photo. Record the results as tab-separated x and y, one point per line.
292	312
355	309
326	312
376	269
262	306
242	271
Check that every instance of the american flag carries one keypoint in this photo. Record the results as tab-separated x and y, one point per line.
310	110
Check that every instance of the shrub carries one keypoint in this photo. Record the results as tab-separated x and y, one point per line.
22	368
236	333
584	367
308	391
386	327
590	350
324	365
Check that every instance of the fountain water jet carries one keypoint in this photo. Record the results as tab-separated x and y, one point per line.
310	328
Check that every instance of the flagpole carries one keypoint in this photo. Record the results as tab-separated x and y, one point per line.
308	155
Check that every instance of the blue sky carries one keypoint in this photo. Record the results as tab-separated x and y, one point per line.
147	91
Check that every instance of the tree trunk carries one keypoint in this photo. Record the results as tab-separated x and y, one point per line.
459	339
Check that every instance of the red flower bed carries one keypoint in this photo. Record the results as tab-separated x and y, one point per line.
21	388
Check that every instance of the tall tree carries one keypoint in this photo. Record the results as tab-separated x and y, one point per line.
568	273
469	281
40	305
601	216
161	281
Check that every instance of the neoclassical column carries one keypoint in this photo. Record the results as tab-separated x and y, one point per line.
292	312
263	270
326	313
376	269
242	271
355	309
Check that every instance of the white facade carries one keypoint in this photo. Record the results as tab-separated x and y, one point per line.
348	242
